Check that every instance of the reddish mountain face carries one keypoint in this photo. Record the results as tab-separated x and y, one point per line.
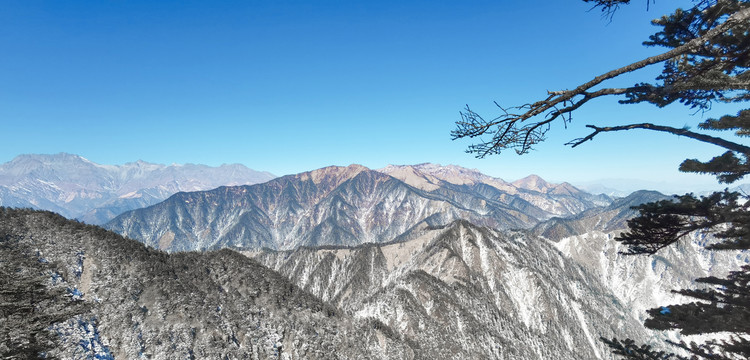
330	206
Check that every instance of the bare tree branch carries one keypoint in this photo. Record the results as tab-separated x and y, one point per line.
473	125
729	145
508	130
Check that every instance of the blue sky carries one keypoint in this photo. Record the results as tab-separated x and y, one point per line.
289	86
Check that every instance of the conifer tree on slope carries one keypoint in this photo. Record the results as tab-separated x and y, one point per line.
707	60
30	303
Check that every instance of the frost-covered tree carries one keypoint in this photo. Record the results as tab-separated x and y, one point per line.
30	303
706	61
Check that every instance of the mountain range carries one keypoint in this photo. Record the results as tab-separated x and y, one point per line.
346	206
458	291
78	188
466	291
143	303
408	261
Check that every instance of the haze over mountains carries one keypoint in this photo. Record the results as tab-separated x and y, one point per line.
78	188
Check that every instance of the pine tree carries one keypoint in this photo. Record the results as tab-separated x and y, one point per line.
30	303
707	61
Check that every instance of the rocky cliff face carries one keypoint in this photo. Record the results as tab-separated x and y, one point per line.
330	206
642	282
464	291
78	188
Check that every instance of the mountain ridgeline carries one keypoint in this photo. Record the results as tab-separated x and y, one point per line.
78	188
345	206
465	291
143	303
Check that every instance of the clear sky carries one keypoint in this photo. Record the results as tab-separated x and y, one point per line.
289	86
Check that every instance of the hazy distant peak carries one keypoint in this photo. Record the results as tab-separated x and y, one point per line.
450	168
47	158
565	189
44	166
333	175
412	175
533	178
428	176
58	156
231	166
77	187
140	162
141	166
640	197
444	169
534	183
452	173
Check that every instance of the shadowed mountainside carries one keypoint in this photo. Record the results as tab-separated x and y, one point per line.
146	303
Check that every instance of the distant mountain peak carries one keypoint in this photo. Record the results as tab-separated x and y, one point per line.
452	173
438	168
531	179
428	176
533	182
48	158
565	188
332	174
79	188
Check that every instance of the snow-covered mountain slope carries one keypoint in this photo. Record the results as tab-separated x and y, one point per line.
143	303
419	279
330	206
642	282
465	291
459	291
608	218
78	188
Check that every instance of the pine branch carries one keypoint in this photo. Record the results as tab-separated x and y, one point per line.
691	46
628	349
662	223
729	145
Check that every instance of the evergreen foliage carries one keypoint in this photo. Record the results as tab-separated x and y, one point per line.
663	223
630	350
30	302
143	303
707	61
